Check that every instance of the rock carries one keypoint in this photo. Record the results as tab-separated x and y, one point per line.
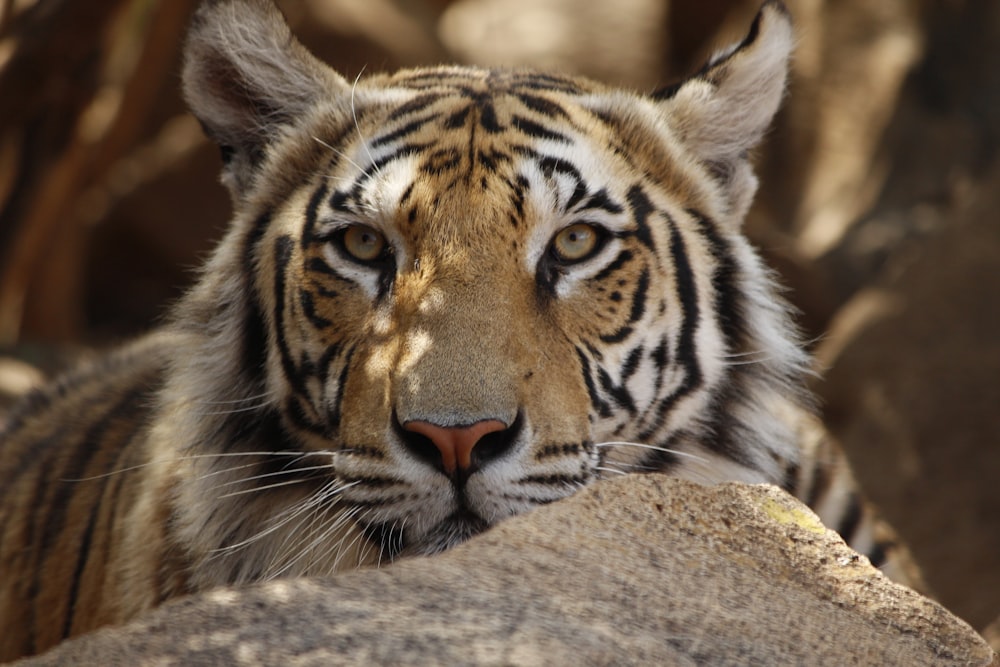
641	570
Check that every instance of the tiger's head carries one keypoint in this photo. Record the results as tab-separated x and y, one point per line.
451	294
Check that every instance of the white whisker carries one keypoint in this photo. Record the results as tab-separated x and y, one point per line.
266	394
262	487
675	452
328	491
249	408
264	475
357	126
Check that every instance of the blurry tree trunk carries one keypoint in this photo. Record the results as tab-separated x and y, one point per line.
76	87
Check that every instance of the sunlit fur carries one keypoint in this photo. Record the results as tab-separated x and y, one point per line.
258	433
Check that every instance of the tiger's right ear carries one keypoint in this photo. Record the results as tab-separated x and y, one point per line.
247	79
722	112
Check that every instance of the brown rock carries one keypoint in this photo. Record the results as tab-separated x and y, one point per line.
640	570
913	395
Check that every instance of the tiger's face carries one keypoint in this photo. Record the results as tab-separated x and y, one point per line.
476	291
477	298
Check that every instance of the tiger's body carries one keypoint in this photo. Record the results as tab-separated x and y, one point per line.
447	296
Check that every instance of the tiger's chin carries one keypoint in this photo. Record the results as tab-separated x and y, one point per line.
452	531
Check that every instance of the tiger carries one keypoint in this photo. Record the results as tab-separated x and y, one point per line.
447	295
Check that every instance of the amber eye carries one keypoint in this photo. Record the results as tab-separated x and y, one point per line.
576	242
363	243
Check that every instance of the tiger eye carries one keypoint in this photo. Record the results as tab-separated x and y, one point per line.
575	243
363	243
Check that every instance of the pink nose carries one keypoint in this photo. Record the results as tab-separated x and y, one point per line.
455	442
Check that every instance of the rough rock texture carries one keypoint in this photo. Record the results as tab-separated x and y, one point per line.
640	570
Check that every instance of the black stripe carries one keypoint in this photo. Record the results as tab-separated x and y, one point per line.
686	354
602	408
457	119
82	556
555	480
282	258
404	131
642	208
550	165
667	92
542	105
325	361
491	158
334	415
441	160
418	103
579	192
631	364
110	496
297	417
618	393
554	451
340	200
637	310
488	115
537	130
312	210
254	338
618	336
319	266
309	308
67	481
729	307
601	200
639	298
406	150
850	519
43	483
819	483
547	82
618	262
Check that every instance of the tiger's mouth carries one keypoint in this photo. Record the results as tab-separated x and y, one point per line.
394	542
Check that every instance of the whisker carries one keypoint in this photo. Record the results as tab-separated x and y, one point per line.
357	126
675	452
266	394
291	548
340	153
263	475
264	487
249	408
190	457
328	491
323	534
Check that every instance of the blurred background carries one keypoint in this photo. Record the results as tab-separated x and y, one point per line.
880	203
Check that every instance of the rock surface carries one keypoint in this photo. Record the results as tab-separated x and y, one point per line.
638	570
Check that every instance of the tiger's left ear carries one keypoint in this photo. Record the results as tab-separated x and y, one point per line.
723	111
248	80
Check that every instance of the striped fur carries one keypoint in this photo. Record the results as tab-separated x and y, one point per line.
263	431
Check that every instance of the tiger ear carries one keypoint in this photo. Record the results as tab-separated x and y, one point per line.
247	78
723	111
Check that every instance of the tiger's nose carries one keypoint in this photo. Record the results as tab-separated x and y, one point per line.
457	448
